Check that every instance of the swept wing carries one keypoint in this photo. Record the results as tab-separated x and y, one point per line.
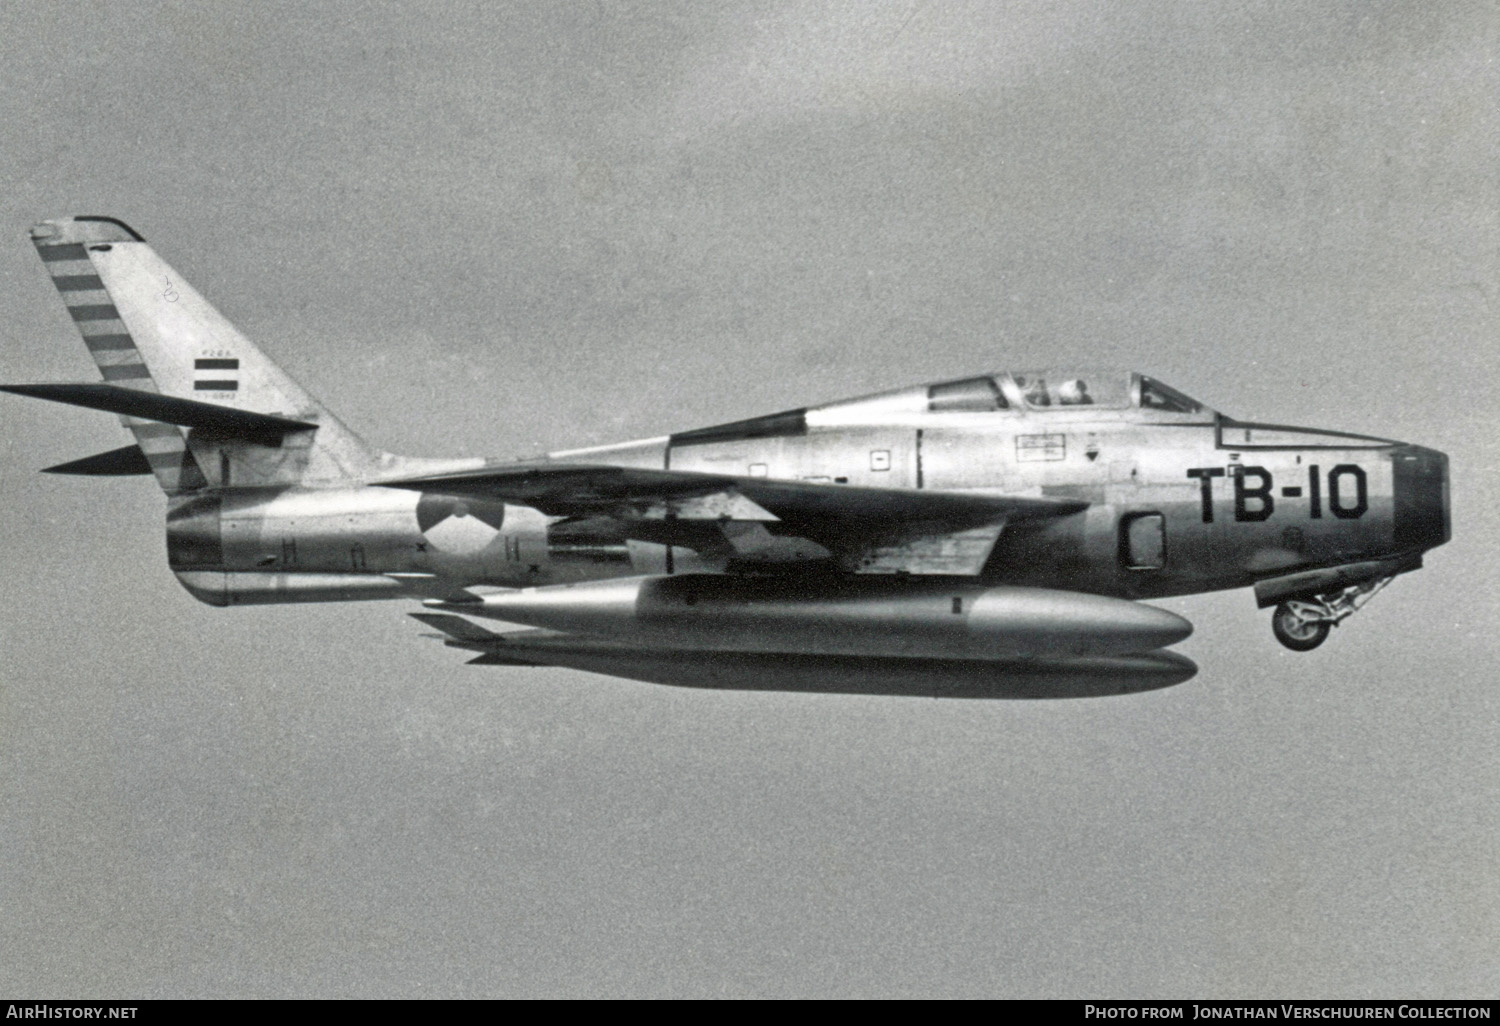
755	519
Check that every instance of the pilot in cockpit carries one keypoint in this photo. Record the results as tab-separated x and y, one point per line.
1074	393
1035	391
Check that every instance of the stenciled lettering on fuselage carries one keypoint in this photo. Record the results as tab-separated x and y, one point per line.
1344	491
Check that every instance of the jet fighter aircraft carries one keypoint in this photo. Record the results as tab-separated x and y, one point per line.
985	537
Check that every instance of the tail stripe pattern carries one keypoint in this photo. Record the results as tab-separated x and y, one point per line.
78	282
103	312
61	251
109	343
114	351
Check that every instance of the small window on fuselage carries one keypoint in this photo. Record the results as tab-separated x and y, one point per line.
971	395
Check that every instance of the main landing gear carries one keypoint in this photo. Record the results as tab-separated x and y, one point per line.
1302	624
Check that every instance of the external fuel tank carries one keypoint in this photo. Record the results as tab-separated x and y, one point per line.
890	616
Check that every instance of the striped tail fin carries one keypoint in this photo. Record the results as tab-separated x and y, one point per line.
149	330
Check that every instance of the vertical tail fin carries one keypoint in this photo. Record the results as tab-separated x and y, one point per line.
147	329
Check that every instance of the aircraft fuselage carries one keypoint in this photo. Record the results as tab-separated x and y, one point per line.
1177	502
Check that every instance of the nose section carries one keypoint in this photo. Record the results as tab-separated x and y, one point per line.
1421	486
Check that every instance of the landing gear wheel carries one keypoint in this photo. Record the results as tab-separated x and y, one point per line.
1297	630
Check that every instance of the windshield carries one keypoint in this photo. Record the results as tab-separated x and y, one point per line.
1156	396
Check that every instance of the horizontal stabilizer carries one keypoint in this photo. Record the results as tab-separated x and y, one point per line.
116	463
168	409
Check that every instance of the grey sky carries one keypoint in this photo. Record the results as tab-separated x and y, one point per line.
495	229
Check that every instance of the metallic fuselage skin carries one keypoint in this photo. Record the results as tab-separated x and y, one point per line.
1178	503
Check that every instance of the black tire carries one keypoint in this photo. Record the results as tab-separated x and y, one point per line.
1295	633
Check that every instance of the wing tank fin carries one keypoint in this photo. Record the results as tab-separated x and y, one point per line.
460	633
457	628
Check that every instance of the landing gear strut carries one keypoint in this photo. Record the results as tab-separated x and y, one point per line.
1302	624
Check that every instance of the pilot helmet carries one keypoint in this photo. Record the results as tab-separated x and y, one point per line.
1074	392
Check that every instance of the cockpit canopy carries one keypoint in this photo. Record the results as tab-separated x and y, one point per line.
1055	390
1117	395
